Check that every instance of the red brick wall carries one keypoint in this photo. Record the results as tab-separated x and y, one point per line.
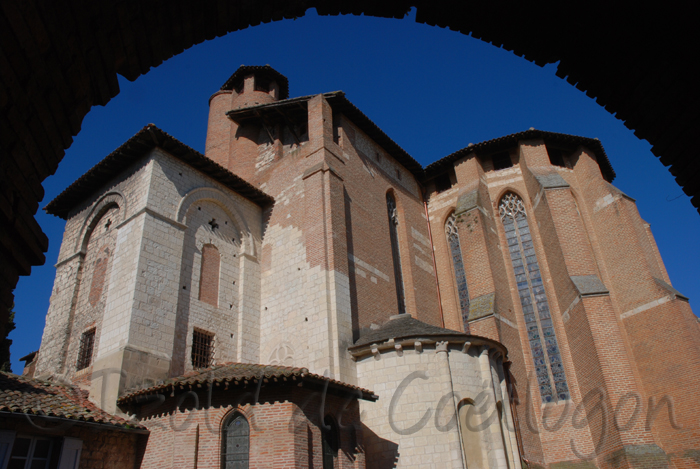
577	231
285	428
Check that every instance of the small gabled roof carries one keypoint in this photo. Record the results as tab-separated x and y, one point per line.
503	143
135	148
262	70
241	374
24	396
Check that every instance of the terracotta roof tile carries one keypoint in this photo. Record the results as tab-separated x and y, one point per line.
240	373
20	395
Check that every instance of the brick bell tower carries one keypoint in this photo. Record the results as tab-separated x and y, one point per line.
235	146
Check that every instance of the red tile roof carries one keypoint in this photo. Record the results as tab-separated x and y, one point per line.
20	395
235	374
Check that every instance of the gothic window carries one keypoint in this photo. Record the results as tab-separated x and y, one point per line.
209	278
202	349
540	329
330	441
235	443
395	252
87	347
460	277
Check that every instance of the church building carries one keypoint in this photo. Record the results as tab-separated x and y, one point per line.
306	294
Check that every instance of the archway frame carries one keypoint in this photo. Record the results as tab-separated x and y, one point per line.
56	62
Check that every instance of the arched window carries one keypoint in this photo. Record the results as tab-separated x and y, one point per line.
330	441
470	426
235	442
209	278
460	276
395	252
548	365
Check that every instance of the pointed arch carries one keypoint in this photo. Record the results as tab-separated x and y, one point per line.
546	356
235	441
460	277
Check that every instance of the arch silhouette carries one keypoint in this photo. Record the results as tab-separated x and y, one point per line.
56	62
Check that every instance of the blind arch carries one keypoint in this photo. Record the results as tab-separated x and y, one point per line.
209	277
395	250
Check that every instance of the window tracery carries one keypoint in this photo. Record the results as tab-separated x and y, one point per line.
460	277
549	369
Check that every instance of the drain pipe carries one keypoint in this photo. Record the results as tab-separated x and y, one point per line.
432	252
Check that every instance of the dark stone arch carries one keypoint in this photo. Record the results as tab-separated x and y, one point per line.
58	59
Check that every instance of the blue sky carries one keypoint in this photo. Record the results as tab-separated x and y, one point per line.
432	90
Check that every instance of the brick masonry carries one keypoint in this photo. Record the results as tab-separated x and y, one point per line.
297	283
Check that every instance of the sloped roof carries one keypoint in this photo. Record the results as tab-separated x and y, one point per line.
508	141
263	70
296	107
236	374
136	147
24	396
404	326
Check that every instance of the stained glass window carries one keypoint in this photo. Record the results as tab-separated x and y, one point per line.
396	254
551	379
236	444
460	276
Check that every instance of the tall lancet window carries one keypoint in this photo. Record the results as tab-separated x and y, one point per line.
540	330
395	252
460	277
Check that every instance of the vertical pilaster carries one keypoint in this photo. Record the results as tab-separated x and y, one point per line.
59	319
455	439
496	451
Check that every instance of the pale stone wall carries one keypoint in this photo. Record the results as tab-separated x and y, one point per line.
127	191
420	388
159	209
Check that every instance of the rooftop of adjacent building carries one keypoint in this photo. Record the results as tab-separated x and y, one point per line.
21	396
